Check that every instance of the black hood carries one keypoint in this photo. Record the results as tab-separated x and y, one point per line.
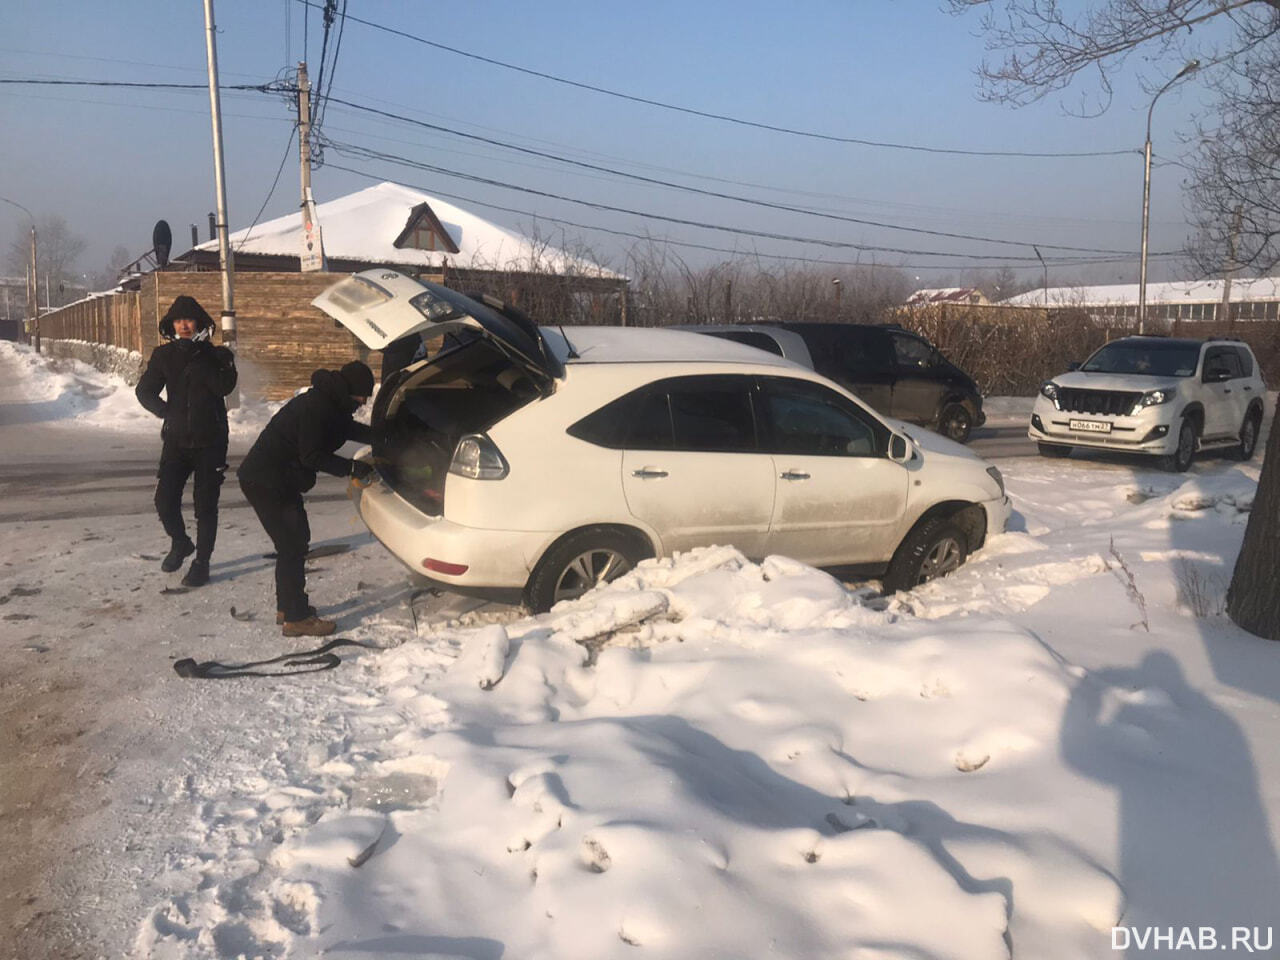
332	385
188	307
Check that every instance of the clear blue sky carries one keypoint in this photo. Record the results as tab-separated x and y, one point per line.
112	161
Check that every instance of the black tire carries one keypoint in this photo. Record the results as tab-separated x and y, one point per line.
1249	436
931	550
1053	449
1180	460
581	561
955	423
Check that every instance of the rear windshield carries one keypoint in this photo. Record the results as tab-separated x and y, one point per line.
1152	359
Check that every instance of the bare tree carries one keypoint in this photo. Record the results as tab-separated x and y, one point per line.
1044	45
1235	181
59	250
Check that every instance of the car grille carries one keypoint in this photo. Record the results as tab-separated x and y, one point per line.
1110	402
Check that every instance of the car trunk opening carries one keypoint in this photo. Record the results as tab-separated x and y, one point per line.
425	409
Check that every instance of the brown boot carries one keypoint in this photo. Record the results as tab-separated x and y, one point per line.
311	612
313	626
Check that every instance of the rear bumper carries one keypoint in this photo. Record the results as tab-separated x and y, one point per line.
496	561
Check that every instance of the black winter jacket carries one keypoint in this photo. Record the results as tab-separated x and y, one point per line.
195	376
302	437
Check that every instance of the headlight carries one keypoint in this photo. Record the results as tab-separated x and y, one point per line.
1153	398
1049	389
994	474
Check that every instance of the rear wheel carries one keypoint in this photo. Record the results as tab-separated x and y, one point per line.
1180	460
955	423
931	550
1248	436
1053	449
579	563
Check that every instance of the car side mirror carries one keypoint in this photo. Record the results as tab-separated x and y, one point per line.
899	448
1216	375
1073	365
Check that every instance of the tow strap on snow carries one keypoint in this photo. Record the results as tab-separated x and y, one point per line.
304	661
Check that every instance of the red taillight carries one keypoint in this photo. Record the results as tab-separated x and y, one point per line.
440	566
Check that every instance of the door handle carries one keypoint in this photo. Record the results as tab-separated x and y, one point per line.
1226	389
795	475
1248	389
648	473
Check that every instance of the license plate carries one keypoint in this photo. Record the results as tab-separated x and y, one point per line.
1090	426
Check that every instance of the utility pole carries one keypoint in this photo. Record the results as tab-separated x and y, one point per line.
311	256
220	185
35	291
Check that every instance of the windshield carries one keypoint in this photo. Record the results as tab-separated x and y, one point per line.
1151	359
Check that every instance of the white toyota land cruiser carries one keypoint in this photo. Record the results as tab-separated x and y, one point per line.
1155	395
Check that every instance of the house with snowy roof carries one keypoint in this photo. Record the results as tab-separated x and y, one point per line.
393	226
1176	301
946	295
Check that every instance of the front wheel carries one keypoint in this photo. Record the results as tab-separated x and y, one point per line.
955	423
1180	460
931	550
581	562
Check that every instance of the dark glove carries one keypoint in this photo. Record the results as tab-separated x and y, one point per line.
363	472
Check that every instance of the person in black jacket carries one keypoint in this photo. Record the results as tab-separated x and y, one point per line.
301	439
196	376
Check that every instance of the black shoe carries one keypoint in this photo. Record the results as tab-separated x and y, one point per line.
180	550
197	574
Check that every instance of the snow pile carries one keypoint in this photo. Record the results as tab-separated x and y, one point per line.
709	757
70	390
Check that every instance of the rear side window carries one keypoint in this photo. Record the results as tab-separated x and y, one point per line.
711	413
849	354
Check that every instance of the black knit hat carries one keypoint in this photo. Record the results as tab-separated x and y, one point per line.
184	307
358	378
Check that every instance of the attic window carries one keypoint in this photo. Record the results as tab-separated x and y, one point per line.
424	231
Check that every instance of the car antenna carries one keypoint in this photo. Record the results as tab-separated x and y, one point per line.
573	354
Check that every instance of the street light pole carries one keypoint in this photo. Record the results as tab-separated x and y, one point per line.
1191	67
33	289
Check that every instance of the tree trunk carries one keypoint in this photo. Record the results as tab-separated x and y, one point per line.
1253	600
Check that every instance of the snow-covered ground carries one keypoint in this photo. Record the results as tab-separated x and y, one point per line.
708	758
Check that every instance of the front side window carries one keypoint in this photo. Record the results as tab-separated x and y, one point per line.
807	419
1246	361
1222	358
912	353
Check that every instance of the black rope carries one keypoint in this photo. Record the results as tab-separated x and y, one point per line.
304	661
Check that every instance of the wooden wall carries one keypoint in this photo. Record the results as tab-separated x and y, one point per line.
280	338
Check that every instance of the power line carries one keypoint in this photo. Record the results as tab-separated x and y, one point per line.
272	191
788	208
364	153
832	138
257	87
702	246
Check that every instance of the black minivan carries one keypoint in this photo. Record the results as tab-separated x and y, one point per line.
897	372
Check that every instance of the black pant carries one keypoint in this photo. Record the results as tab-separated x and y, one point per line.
285	519
209	464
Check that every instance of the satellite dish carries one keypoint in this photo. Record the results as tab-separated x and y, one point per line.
162	242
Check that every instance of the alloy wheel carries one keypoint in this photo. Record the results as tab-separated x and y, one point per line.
588	570
945	556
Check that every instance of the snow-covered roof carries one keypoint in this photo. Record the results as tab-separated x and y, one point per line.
947	295
1174	291
364	226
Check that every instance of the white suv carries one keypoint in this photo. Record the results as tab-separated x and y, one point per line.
529	462
1155	395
